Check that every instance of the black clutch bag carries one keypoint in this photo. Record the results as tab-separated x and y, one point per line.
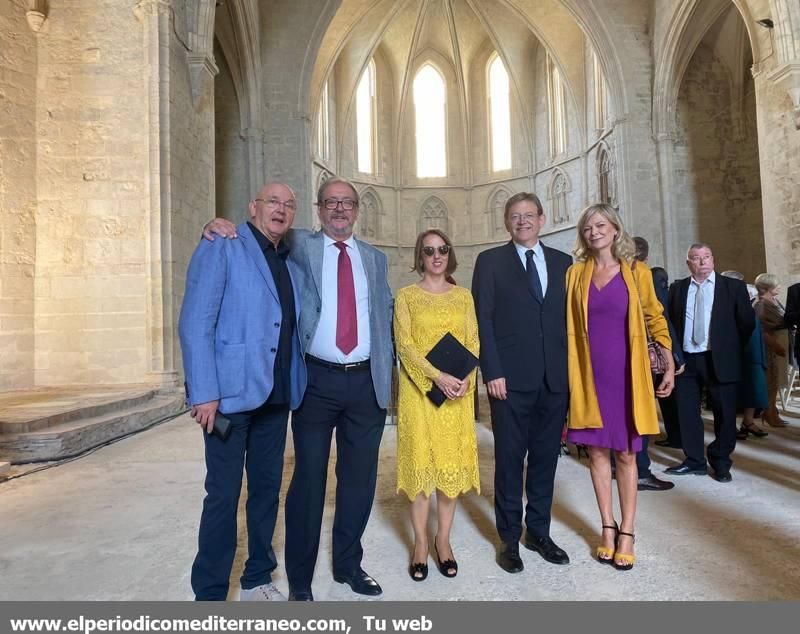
449	355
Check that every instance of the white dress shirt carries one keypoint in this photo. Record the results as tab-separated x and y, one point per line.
323	345
707	288
538	258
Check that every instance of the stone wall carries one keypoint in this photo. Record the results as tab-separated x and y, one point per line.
91	315
716	179
18	61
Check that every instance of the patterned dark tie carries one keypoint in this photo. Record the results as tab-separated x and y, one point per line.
346	316
534	283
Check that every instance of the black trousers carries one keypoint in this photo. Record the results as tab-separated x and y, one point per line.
699	373
256	443
669	414
344	401
526	423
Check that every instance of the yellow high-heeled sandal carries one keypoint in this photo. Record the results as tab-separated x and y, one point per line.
606	555
624	561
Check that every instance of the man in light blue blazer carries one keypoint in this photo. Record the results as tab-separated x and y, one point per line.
242	358
345	331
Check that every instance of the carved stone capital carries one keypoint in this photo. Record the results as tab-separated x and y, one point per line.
146	8
37	13
787	76
202	71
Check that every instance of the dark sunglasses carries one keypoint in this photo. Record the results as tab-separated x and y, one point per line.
442	249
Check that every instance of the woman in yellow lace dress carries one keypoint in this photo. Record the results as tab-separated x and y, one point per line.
436	447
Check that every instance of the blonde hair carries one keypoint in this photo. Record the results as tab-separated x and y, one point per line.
623	247
765	283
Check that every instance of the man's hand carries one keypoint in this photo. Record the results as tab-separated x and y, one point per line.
497	389
204	414
220	227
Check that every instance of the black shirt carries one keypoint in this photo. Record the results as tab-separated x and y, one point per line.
276	261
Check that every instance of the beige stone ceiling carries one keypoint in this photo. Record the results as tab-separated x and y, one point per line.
455	31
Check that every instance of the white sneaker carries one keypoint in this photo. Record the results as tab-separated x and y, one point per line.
266	592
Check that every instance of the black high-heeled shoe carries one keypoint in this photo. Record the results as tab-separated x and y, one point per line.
754	430
447	565
418	572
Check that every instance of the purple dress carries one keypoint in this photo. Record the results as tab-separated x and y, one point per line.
609	349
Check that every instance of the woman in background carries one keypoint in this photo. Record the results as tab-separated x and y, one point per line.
437	448
770	312
611	308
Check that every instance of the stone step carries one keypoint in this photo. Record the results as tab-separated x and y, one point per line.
77	436
47	408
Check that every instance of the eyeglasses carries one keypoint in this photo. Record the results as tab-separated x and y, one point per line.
443	249
275	203
332	203
525	217
699	259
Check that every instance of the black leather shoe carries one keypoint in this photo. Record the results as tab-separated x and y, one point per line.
683	469
652	483
360	583
666	444
722	476
547	548
300	595
508	558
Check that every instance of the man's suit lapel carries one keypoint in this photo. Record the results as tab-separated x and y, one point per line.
315	245
369	269
683	298
257	255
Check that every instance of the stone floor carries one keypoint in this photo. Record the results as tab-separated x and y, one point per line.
121	524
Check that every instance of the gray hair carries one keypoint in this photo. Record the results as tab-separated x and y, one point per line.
333	181
698	245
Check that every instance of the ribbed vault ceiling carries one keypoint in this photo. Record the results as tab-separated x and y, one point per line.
453	31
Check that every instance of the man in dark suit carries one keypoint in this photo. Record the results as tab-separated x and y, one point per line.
792	316
714	321
520	300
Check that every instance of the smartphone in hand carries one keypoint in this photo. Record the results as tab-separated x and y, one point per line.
222	427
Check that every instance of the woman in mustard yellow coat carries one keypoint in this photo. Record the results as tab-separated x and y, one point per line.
611	307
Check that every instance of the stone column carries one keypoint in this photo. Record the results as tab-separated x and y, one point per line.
155	16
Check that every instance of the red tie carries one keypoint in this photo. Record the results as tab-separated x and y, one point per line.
346	318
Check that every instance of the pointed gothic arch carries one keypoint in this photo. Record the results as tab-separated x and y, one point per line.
370	210
496	210
434	215
606	177
557	191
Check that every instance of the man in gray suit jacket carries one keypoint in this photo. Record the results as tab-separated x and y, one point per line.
345	331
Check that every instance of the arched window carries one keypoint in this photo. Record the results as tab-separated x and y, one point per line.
499	115
557	106
434	215
323	127
365	120
557	195
429	109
